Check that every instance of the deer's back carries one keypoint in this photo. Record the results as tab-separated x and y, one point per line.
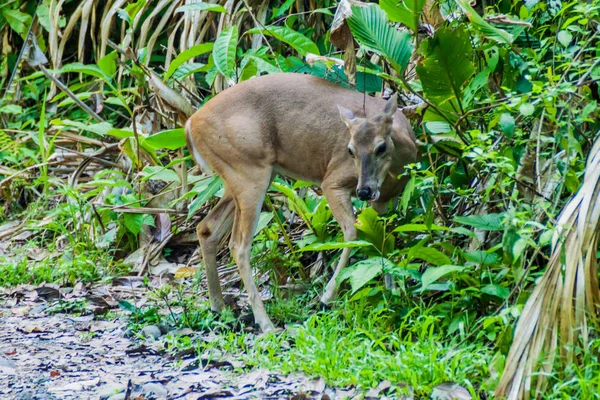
289	121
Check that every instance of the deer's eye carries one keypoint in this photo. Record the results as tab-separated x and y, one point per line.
350	152
380	150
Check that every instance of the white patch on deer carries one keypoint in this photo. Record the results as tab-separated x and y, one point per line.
195	153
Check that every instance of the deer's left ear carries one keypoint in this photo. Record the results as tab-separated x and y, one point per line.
391	106
347	116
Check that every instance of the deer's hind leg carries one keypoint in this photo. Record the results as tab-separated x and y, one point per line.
249	188
210	232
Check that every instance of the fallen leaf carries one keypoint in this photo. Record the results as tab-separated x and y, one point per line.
185	272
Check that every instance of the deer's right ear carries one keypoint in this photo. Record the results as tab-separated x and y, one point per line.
347	115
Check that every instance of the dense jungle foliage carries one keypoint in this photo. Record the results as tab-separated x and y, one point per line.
503	98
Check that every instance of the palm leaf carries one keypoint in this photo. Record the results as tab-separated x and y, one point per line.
372	30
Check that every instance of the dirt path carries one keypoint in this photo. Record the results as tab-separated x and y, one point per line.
62	356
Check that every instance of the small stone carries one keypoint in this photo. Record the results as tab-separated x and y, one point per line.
156	389
151	331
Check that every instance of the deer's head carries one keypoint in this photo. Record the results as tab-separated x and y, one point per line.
371	147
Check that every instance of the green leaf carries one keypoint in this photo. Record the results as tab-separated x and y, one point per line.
335	245
188	69
120	133
487	30
298	41
496	290
160	173
364	271
372	30
420	228
431	255
263	221
202	7
224	51
206	190
481	257
432	274
488	222
187	55
526	109
11	109
446	65
171	139
17	20
369	223
134	222
279	11
108	63
92	70
507	124
127	306
263	65
407	12
565	38
407	193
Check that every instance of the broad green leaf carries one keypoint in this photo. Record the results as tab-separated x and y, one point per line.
526	109
565	38
298	41
171	139
108	63
224	51
209	188
335	245
160	173
372	30
432	256
187	55
134	222
420	228
496	290
17	20
507	124
120	133
482	26
202	7
364	271
92	70
263	221
369	223
263	65
279	11
188	69
488	222
446	65
11	109
481	257
407	12
102	128
127	306
432	274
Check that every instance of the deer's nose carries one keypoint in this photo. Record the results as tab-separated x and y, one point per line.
364	194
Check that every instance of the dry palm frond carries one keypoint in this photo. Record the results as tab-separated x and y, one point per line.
555	317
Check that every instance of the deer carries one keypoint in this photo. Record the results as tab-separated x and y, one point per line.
304	128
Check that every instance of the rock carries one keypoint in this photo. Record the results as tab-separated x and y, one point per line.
156	389
109	389
151	331
7	366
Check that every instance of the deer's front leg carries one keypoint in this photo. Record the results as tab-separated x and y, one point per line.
341	207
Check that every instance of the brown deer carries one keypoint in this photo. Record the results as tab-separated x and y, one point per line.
301	127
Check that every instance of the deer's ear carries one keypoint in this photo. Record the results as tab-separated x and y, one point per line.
347	116
391	106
